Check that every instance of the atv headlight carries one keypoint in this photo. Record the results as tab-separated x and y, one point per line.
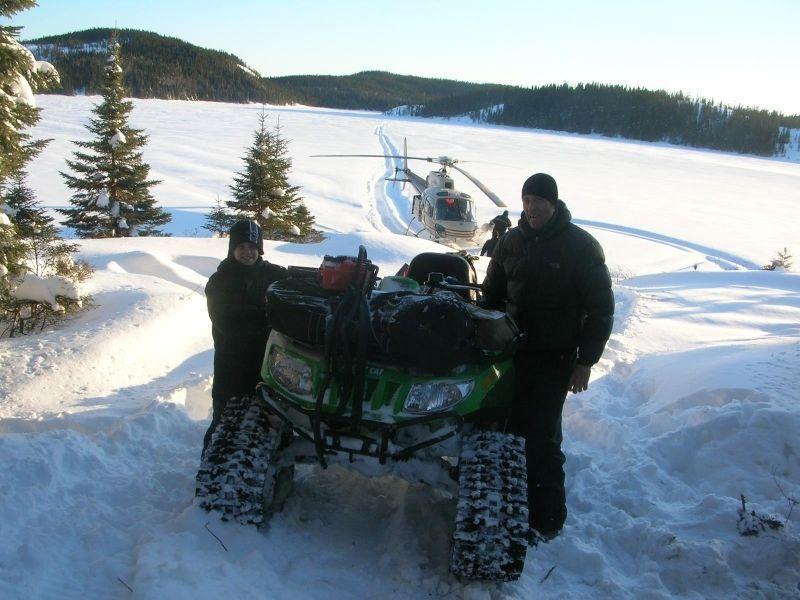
290	372
435	396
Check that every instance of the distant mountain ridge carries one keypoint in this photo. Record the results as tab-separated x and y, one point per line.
158	66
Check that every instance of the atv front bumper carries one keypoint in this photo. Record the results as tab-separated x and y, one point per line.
383	441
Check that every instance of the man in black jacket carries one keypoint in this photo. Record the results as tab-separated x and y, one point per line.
500	224
236	297
550	276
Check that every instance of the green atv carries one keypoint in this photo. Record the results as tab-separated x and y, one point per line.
409	370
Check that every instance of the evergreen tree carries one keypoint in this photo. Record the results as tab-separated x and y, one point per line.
46	252
262	192
29	243
12	255
220	219
782	261
110	182
20	76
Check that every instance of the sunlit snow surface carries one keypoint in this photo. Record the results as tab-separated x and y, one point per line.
694	403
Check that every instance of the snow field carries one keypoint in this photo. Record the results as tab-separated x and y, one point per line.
694	402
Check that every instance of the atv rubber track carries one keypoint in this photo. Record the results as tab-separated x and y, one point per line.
233	473
490	540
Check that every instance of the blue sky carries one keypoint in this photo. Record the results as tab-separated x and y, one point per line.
738	52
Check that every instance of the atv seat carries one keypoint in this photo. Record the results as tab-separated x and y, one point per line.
449	265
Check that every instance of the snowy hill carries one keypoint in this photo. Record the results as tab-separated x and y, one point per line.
694	403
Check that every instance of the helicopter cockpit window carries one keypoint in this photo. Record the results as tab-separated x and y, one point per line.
454	209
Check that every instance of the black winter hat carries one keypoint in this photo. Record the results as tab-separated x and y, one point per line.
541	185
245	231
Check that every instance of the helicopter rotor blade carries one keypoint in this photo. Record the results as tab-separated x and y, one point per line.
489	193
373	156
445	161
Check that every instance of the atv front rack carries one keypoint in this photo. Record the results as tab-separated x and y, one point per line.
339	435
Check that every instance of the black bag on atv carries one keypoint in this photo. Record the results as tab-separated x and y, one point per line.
434	333
298	306
431	332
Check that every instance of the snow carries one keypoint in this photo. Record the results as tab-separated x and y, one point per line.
694	403
45	289
4	220
117	139
21	90
5	209
103	199
249	71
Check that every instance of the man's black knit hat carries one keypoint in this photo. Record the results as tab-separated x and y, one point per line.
245	231
541	185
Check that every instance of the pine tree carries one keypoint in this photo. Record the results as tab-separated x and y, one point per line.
46	252
29	243
262	192
12	255
782	261
111	187
220	219
20	76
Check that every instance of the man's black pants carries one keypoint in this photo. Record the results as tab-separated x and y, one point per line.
541	388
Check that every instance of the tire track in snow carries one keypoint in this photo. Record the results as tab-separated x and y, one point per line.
725	260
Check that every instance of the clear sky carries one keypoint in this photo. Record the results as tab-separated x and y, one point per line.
735	51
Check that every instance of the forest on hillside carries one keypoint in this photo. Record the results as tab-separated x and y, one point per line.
157	66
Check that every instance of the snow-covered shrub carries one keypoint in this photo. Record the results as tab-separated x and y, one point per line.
781	262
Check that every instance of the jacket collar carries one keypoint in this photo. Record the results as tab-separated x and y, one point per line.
560	219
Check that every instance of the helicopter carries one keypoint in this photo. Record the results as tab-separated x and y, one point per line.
445	213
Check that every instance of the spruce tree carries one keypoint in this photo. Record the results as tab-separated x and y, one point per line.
262	192
20	76
220	219
29	243
110	182
46	252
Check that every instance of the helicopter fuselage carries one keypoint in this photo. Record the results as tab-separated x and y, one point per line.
443	210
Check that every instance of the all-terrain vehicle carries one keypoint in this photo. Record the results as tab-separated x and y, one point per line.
405	369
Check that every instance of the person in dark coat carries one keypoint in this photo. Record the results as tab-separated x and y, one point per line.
236	298
550	276
501	223
488	245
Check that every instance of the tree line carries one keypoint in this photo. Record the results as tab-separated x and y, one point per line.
165	67
156	66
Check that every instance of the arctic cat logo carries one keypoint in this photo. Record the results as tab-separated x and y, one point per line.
376	371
